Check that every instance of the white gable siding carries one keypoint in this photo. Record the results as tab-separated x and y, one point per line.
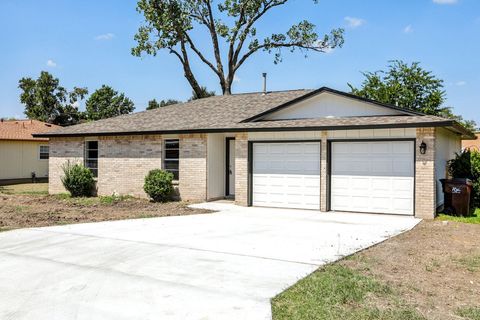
335	134
329	104
446	145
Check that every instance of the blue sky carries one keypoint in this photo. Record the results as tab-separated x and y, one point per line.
87	43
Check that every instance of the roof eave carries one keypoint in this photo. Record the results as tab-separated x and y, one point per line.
447	123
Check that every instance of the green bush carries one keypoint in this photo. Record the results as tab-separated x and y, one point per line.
466	164
78	180
158	185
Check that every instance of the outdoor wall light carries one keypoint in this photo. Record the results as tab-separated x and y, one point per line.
423	147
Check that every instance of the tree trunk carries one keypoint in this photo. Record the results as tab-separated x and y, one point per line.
227	85
192	81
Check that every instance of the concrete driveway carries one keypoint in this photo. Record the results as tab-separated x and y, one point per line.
225	265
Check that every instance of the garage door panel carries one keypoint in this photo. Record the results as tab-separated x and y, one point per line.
378	179
379	148
403	148
288	175
381	166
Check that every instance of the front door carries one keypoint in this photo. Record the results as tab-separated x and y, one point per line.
231	167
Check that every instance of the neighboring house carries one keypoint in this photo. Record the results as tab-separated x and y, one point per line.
314	149
21	153
472	144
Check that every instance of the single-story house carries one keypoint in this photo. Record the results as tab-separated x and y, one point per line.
313	149
472	144
20	153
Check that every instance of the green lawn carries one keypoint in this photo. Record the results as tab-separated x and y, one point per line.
25	188
338	292
472	313
475	218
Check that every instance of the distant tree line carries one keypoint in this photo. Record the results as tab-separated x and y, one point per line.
46	100
410	87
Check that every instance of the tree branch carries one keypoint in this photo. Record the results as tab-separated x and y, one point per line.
201	56
299	45
268	5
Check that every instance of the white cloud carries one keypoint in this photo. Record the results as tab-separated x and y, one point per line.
408	29
354	22
51	63
445	1
106	36
460	83
236	78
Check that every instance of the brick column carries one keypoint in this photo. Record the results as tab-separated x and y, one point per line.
425	202
241	169
323	172
193	167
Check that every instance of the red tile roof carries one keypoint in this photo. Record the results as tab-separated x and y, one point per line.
23	129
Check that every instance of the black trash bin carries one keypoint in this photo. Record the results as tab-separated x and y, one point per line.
457	196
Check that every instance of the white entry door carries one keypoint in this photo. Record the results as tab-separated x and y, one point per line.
373	177
286	175
231	169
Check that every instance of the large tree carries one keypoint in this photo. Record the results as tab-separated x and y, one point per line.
231	26
47	101
408	86
106	103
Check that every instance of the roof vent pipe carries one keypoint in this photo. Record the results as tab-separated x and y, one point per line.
264	75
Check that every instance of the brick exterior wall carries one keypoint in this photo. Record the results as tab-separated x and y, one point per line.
193	167
124	161
323	172
241	169
62	150
425	203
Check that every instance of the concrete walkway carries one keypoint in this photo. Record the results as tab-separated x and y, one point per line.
226	265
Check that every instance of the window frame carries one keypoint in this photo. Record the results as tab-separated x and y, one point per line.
40	152
177	160
86	150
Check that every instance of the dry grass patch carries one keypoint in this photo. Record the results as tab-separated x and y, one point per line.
27	210
430	272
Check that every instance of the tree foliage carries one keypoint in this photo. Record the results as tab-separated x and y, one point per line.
204	93
106	103
45	100
153	104
408	86
231	25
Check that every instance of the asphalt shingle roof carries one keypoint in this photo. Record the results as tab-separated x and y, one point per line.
226	113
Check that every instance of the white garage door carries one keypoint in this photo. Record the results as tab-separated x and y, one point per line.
286	175
373	177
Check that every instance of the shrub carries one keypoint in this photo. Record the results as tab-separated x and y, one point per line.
466	164
78	180
158	185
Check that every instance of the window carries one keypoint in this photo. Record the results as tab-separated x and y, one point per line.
172	154
91	156
44	153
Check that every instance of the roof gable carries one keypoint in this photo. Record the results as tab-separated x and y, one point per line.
329	103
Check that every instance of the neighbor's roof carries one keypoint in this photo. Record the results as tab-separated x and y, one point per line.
23	129
241	112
